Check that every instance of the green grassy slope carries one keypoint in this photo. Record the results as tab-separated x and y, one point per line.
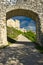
13	33
30	35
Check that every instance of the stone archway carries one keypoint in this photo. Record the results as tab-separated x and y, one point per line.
28	13
30	8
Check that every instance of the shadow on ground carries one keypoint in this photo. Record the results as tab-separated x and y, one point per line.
10	40
37	46
24	55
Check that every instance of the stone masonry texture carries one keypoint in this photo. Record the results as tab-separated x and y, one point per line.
21	7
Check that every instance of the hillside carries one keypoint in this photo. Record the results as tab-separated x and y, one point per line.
30	35
14	33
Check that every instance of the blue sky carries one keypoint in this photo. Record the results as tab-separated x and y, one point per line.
26	22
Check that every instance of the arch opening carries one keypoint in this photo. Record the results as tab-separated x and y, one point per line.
29	14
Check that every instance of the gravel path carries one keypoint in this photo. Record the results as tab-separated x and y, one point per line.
20	54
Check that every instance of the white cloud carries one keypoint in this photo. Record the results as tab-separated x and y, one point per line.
32	23
23	22
33	28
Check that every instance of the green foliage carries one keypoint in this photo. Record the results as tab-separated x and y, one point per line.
30	35
12	32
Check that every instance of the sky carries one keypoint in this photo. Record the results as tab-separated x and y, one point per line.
26	22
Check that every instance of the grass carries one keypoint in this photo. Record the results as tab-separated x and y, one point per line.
39	48
30	35
13	33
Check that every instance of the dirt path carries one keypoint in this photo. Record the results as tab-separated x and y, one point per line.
22	38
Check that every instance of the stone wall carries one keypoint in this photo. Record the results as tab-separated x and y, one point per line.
13	23
32	5
3	30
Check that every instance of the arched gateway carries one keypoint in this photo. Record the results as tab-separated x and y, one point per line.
29	8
